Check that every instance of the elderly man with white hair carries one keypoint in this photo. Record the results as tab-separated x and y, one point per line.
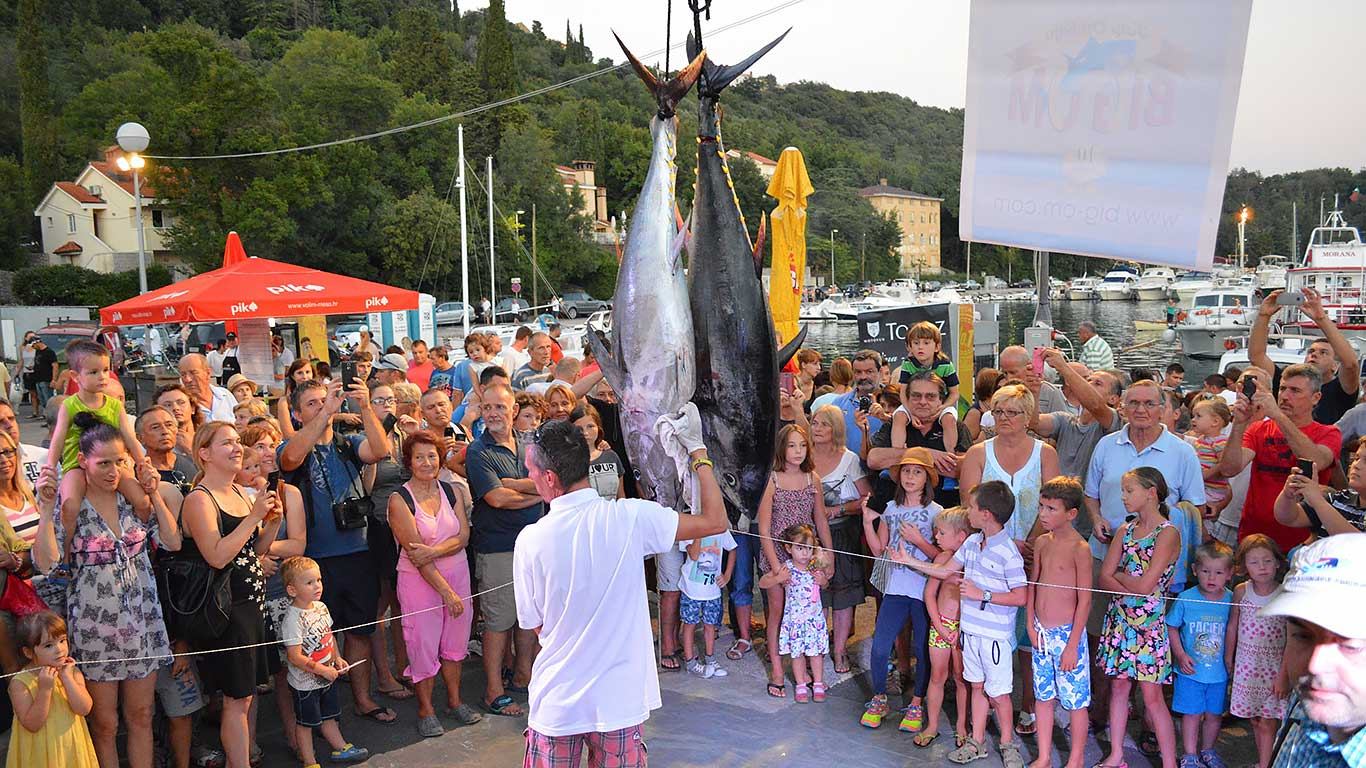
214	401
1095	351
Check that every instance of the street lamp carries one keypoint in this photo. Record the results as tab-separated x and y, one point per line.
1243	216
517	225
133	139
833	232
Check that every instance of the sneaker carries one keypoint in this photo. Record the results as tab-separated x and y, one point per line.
696	667
203	757
475	647
1189	761
714	670
1211	759
874	711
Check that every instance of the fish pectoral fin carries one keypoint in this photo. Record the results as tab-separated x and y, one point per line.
789	349
759	245
611	369
680	240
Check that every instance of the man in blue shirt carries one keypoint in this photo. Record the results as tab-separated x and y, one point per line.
327	469
867	364
1325	654
505	502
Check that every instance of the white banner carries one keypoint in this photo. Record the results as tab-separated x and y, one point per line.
1101	129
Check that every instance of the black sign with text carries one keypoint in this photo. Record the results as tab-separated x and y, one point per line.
885	330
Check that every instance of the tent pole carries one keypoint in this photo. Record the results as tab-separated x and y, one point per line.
464	239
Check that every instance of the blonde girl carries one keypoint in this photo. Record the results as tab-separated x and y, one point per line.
1255	644
1209	418
802	634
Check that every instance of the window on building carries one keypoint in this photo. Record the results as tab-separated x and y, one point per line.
160	219
71	223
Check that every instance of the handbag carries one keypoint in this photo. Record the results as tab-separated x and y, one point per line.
198	595
20	598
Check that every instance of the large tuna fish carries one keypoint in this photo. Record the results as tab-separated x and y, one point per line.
651	363
737	354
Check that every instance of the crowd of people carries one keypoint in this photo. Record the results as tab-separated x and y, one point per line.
1080	542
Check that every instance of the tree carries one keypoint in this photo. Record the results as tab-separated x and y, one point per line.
497	69
421	61
36	116
421	238
16	216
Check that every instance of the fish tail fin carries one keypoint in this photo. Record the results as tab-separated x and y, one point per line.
611	369
667	93
789	349
680	240
759	242
715	77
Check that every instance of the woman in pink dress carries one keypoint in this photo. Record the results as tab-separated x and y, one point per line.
430	521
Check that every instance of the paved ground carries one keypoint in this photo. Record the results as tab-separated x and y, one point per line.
728	722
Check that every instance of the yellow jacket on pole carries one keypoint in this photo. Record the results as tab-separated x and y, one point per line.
790	186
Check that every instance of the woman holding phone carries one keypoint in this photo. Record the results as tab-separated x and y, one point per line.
230	531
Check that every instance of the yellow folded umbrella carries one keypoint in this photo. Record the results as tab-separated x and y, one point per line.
790	186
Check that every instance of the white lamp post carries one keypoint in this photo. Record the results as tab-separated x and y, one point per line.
833	282
133	139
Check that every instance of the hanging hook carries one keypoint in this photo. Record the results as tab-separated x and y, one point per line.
699	8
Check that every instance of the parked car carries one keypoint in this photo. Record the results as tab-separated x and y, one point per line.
57	334
972	285
512	310
452	313
575	303
347	334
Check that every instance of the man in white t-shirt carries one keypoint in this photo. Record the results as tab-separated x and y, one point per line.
579	586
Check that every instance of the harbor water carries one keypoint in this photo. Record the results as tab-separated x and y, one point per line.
1114	320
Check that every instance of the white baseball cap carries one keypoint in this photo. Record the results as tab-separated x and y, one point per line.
1326	579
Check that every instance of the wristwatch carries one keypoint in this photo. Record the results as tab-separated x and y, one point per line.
986	598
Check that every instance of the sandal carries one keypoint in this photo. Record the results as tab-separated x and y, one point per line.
672	662
913	719
1148	745
842	666
380	715
504	706
777	691
1024	724
803	693
959	739
1103	764
924	739
1010	756
970	751
464	714
739	648
874	711
818	692
400	693
349	754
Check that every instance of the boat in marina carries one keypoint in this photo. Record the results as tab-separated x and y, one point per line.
1284	349
1187	284
1057	289
885	298
1082	288
825	309
1334	265
1154	284
1216	315
1271	272
1118	285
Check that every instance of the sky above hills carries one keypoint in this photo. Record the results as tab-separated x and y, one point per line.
1301	103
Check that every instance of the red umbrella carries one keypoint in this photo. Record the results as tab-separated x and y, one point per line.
233	252
257	288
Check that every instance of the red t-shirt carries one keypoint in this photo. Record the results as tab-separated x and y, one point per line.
1270	467
421	375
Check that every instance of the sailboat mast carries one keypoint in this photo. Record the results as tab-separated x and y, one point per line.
464	238
493	284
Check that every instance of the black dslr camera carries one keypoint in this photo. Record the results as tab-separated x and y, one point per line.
352	513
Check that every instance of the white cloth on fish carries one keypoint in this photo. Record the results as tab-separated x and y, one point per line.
679	435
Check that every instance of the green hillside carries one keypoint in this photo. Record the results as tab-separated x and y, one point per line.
222	78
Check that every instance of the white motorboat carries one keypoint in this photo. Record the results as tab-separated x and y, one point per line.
1154	284
1057	289
1188	284
1334	264
1271	272
825	309
1216	316
1082	289
879	301
1118	285
1284	349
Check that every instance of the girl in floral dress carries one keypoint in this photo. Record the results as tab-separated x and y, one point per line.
802	635
790	499
1255	643
112	603
1133	646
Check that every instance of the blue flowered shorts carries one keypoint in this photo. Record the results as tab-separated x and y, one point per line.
1072	688
699	611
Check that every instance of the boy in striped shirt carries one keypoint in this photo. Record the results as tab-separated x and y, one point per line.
993	587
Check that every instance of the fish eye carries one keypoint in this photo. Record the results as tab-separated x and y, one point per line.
730	479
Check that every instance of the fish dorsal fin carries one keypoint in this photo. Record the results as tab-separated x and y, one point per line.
611	369
759	245
667	94
680	240
789	349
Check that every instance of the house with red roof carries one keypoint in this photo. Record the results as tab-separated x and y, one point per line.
91	222
767	167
